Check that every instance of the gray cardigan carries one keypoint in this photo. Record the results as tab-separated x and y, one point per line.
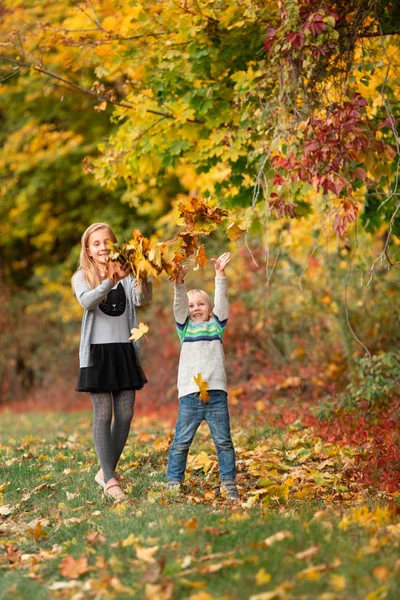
90	298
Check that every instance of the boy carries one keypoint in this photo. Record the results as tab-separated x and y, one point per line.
200	329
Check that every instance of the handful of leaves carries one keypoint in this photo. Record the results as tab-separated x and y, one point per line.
151	257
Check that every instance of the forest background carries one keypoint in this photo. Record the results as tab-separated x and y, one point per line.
282	114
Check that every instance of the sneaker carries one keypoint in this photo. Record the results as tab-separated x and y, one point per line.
229	490
173	487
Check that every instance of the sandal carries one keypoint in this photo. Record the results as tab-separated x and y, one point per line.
113	490
100	478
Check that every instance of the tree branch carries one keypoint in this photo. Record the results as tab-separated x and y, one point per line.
75	86
378	34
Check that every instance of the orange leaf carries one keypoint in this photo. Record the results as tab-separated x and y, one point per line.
203	387
71	568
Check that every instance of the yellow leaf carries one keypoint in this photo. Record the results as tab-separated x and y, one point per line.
138	332
131	540
4	485
337	582
312	573
203	387
233	231
201	460
262	577
161	444
201	596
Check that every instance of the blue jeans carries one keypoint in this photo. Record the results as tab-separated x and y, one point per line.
191	413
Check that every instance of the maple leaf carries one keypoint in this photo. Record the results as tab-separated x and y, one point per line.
234	232
146	554
203	387
38	532
138	332
73	568
200	258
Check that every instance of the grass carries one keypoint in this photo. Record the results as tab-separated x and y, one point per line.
312	537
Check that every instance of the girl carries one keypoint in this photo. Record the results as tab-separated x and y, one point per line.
109	363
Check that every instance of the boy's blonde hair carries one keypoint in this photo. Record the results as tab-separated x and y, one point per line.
204	294
86	263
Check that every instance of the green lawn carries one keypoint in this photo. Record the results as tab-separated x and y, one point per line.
303	528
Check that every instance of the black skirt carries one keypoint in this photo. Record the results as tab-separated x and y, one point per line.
114	367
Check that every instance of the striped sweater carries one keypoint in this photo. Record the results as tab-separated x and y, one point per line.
201	343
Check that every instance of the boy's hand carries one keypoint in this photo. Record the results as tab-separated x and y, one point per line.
180	278
220	263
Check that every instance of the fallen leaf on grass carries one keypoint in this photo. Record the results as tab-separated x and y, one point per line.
6	510
278	537
191	524
95	537
307	553
337	582
263	577
313	573
73	568
215	531
138	332
381	573
279	592
38	532
161	444
158	591
201	596
146	554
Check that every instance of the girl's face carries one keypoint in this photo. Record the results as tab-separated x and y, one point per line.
199	308
97	247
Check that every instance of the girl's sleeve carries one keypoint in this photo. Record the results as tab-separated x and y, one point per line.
181	304
87	297
221	304
143	293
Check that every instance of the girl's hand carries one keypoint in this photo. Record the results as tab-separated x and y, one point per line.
116	271
180	278
220	263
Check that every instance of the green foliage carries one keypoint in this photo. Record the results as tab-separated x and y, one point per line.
374	384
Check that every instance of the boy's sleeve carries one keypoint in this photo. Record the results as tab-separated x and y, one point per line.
221	304
143	293
87	297
181	305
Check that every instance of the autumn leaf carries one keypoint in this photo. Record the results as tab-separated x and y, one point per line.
146	554
138	332
73	568
234	232
191	524
203	387
201	257
38	532
262	577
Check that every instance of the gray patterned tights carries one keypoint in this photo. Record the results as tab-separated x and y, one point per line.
109	434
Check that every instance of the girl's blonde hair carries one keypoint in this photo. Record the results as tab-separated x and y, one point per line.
86	263
201	293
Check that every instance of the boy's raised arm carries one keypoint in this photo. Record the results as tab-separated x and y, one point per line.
181	302
221	304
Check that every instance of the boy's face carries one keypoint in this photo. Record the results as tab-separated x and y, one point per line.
199	308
